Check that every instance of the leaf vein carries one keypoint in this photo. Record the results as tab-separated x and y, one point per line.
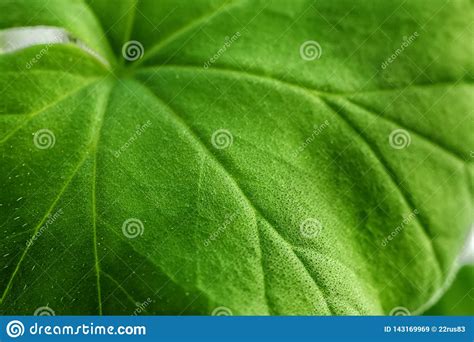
254	206
185	29
389	172
319	93
30	116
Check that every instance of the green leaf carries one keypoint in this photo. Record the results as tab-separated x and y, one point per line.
253	157
458	300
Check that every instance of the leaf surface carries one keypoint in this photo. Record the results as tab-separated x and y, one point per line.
458	300
292	214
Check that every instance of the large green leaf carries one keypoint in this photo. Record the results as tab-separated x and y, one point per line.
265	180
